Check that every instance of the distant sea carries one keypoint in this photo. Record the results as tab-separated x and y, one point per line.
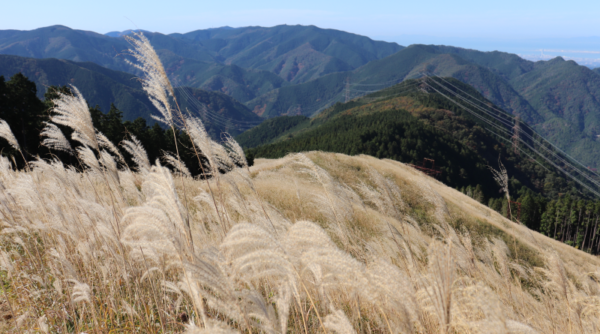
583	50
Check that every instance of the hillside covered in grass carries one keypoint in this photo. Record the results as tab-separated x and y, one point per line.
354	244
408	123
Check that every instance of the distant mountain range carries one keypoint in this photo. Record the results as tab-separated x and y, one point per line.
295	53
300	70
125	32
560	99
101	86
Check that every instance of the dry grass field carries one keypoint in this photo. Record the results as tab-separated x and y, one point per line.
310	243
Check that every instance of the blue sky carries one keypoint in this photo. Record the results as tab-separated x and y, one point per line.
478	24
466	18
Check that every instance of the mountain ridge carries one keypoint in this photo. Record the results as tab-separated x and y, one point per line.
103	87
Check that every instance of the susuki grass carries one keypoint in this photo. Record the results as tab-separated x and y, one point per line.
311	243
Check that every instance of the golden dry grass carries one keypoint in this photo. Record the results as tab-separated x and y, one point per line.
309	243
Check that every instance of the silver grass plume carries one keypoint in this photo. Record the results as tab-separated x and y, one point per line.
236	153
335	205
556	274
88	157
73	111
138	153
179	165
55	139
109	163
501	177
42	325
160	224
7	134
215	154
338	322
209	270
436	290
517	327
19	321
81	291
155	83
107	144
5	164
389	287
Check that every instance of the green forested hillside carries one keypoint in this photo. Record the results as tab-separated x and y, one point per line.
26	115
100	86
103	87
241	84
219	112
271	129
86	46
296	53
413	61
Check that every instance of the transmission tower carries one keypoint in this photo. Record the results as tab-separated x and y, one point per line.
516	133
347	98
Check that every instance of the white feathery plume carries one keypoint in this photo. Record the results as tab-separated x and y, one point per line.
81	291
7	134
109	163
161	223
236	153
389	286
88	157
137	151
338	322
211	327
179	165
501	177
156	82
201	138
221	156
128	309
436	293
42	325
73	111
209	270
19	321
107	144
5	164
55	139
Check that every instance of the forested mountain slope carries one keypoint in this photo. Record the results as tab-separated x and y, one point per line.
99	85
103	87
296	53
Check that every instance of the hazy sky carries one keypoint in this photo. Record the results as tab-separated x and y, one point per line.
381	19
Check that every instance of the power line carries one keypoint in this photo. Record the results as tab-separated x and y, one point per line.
594	191
542	139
